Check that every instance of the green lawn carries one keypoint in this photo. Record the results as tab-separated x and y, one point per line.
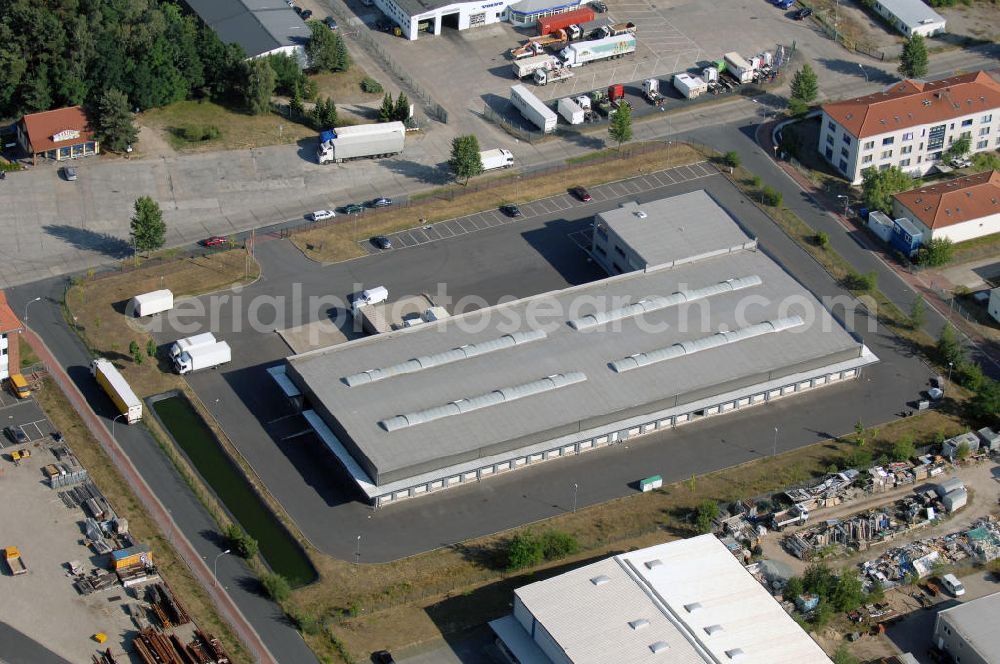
237	130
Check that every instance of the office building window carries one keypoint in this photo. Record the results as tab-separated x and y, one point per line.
869	145
867	159
906	149
842	166
967	123
829	153
982	145
987	118
885	154
908	136
903	163
829	139
889	141
619	251
964	134
844	152
846	139
984	131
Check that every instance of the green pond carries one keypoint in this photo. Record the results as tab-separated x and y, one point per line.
282	553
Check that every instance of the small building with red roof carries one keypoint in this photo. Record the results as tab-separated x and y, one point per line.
960	209
58	135
10	327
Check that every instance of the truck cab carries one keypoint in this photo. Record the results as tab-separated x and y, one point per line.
19	386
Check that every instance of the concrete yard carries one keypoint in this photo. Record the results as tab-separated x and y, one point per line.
43	604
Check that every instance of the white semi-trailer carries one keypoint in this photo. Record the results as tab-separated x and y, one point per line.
187	343
384	139
571	111
203	357
155	302
114	385
581	53
533	109
498	158
690	86
740	69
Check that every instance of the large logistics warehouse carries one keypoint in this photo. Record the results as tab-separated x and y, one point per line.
433	16
420	409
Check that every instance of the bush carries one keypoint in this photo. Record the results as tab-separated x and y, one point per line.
305	622
935	253
244	545
557	545
524	550
858	458
197	133
861	282
793	588
903	448
821	239
731	159
370	85
844	656
771	196
276	587
705	513
9	166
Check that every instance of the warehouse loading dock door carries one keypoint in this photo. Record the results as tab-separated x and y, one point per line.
449	21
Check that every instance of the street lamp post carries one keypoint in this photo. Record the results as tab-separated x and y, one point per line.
215	566
950	366
863	71
576	487
774	450
846	200
357	552
26	305
113	420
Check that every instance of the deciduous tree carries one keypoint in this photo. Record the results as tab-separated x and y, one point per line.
465	161
257	85
878	186
148	228
913	61
113	122
620	129
805	84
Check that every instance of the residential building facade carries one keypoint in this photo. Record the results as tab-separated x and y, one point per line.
961	209
10	327
910	125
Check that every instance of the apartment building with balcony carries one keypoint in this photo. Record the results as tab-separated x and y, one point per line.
910	124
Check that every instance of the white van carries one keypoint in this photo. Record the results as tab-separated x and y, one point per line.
953	585
371	296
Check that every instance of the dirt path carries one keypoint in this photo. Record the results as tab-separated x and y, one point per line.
152	145
983	481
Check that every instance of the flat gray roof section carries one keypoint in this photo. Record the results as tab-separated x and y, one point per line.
258	26
913	13
976	622
689	226
417	7
356	415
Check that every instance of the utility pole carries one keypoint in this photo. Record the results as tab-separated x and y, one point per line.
774	450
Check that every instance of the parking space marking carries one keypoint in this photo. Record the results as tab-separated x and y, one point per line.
465	229
547	206
492	222
420	236
665	176
439	228
407	240
431	232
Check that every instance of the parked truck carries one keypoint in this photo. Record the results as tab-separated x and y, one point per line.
197	358
571	111
581	53
114	384
14	561
384	139
793	516
738	67
18	385
651	91
615	29
156	302
528	66
528	49
187	343
546	76
555	22
499	158
690	86
532	108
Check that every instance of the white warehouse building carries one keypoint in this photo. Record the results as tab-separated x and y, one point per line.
910	124
960	209
415	16
910	16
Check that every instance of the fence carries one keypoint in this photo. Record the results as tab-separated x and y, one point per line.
831	31
362	35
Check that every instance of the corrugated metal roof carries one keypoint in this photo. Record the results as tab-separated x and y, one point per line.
258	26
912	13
976	622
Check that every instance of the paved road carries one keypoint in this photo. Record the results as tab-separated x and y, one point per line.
16	648
46	320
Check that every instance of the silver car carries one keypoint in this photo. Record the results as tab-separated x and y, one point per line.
69	173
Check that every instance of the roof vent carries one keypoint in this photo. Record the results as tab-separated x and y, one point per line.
638	623
850	115
659	647
640	214
736	654
600	580
994	200
927	102
711	630
655	562
694	607
882	120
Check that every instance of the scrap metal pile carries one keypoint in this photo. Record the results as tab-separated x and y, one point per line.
156	647
980	544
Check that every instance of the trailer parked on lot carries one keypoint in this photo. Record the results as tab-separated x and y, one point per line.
546	76
155	302
197	358
690	86
499	158
738	67
384	139
550	24
528	66
571	111
114	384
187	343
581	53
532	108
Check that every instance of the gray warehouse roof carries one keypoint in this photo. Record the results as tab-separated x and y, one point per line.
976	622
258	26
677	228
912	13
424	398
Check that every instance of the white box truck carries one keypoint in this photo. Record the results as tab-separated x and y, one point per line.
498	158
197	358
571	111
580	53
187	343
527	66
690	86
740	69
156	302
114	385
532	108
384	139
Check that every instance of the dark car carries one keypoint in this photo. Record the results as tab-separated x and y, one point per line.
581	193
382	242
510	210
15	435
382	657
306	14
353	208
599	6
330	23
380	202
803	13
214	241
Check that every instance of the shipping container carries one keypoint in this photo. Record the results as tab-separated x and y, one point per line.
556	22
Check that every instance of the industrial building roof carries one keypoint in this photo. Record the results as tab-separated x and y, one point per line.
976	622
417	7
913	103
912	13
501	378
670	229
955	201
258	26
686	602
57	128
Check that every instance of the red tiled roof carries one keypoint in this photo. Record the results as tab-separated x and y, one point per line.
911	103
953	202
8	321
42	127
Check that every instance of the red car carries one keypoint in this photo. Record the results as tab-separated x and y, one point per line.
581	193
214	241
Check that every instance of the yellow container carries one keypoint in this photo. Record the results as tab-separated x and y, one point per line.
100	637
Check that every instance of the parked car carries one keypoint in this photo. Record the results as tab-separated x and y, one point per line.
69	173
353	208
581	193
382	657
961	162
382	242
599	6
320	215
953	585
330	23
380	202
802	14
510	210
15	435
214	241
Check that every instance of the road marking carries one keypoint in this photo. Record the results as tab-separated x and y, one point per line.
420	235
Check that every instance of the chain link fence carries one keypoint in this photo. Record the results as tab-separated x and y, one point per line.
831	31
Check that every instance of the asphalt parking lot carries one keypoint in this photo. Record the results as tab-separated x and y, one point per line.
24	415
534	255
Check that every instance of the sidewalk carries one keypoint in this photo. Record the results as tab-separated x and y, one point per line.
195	563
